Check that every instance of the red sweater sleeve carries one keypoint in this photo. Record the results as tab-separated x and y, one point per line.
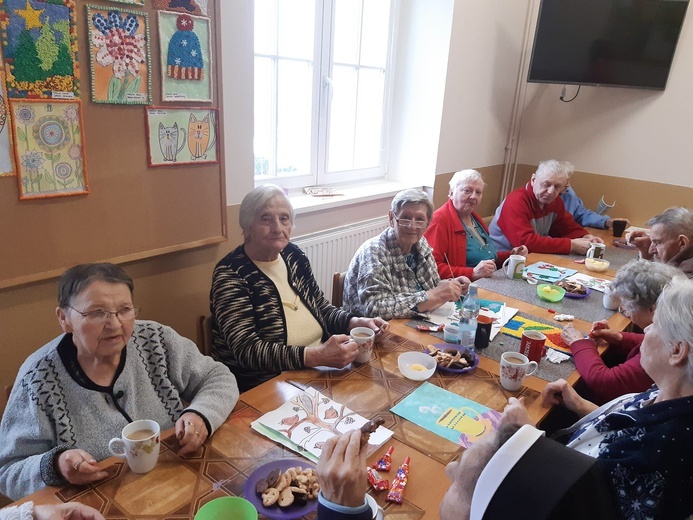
606	383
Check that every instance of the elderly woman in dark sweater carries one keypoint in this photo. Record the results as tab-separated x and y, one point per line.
269	313
78	391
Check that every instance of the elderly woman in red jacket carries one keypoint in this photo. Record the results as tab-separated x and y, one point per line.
638	284
459	237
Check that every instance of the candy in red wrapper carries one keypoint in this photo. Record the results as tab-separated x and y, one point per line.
375	480
396	493
385	464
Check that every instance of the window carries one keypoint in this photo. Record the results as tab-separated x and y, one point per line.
321	83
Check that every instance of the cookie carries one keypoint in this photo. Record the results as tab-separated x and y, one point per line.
261	486
270	497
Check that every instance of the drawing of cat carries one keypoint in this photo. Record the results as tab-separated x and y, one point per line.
168	141
198	137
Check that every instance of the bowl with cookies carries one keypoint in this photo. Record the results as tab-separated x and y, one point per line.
284	489
453	359
574	289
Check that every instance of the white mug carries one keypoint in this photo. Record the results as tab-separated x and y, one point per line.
609	301
514	367
596	251
139	444
513	266
364	338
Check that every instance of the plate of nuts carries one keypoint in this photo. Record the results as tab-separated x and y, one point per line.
452	358
284	489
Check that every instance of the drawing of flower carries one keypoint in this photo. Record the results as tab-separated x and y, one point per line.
117	43
63	170
32	160
71	114
51	133
75	152
25	115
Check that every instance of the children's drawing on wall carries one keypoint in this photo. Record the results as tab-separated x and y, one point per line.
181	136
199	7
49	148
186	58
6	152
39	45
119	56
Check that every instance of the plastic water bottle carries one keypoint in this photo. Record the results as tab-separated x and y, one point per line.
468	314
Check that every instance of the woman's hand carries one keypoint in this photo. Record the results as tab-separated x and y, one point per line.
601	330
191	433
68	511
376	324
338	351
560	392
484	269
515	412
570	334
520	250
342	470
79	467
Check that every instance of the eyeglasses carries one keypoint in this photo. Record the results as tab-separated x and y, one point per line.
405	222
99	316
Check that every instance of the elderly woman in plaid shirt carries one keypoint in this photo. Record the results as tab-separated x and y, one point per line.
394	275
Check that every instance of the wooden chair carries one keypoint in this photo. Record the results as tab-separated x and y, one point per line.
204	334
337	288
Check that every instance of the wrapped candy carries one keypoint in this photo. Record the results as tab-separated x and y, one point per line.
396	493
385	463
375	480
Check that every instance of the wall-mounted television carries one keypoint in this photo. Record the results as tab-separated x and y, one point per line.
620	43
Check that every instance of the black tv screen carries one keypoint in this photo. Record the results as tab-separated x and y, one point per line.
625	43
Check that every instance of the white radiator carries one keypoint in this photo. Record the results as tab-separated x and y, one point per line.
330	251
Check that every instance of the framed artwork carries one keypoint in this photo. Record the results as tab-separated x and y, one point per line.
198	7
6	152
49	148
133	2
182	135
186	57
39	45
119	56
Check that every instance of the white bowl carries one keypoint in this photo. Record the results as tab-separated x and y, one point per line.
407	359
596	264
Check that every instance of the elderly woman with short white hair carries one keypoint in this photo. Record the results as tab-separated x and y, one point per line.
394	274
269	312
458	235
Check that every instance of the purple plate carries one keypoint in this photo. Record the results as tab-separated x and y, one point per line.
452	348
281	513
578	296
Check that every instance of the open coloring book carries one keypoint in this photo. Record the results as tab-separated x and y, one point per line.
305	422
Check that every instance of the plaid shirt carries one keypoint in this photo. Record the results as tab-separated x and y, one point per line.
380	282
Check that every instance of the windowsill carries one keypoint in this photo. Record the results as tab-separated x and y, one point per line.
349	195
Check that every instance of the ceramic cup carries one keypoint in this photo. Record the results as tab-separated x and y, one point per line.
533	345
596	251
513	267
618	225
514	367
609	301
138	444
365	338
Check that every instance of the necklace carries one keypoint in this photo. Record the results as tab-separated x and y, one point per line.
292	305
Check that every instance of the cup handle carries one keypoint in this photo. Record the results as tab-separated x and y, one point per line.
117	444
590	253
534	367
505	264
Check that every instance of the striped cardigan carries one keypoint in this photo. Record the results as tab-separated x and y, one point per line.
249	326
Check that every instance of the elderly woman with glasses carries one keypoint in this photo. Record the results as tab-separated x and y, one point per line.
394	275
458	235
107	370
269	312
638	284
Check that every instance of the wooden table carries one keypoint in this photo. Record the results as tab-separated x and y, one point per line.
178	487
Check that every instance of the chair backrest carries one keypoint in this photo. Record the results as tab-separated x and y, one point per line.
338	288
204	334
487	220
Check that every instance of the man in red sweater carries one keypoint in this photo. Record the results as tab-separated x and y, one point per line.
535	215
